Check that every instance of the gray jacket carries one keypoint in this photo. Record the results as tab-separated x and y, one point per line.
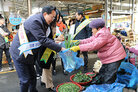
4	44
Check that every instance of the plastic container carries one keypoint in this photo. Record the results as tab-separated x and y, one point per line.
69	82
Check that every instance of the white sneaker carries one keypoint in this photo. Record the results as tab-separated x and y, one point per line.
11	68
38	77
1	70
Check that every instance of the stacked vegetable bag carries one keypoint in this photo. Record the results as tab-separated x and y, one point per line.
69	58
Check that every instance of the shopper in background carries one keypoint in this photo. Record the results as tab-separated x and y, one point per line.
61	26
133	49
110	51
117	34
83	34
4	44
61	31
72	27
35	32
54	29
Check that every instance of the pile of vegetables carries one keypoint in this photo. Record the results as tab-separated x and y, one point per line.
68	42
80	77
68	87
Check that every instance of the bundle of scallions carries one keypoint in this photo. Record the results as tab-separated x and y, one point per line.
68	41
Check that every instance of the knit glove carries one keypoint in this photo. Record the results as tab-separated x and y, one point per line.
97	66
75	48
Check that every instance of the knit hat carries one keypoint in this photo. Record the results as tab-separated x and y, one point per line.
97	23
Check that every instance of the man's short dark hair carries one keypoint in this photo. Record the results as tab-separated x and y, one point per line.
48	9
1	17
80	12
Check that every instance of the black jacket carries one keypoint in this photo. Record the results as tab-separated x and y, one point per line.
84	33
35	27
4	44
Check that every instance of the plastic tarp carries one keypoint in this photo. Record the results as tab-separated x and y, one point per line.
115	87
128	75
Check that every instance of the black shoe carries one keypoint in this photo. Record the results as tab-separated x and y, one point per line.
43	84
52	89
85	70
54	72
65	72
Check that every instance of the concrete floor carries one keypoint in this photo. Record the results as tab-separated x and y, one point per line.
9	81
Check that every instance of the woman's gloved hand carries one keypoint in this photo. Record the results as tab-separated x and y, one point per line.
75	48
76	42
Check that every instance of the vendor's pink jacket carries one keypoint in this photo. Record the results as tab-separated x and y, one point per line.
109	47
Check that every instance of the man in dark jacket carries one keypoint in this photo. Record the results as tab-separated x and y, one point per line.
38	39
4	44
83	34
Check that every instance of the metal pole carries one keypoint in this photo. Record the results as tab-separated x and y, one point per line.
136	20
132	16
120	4
1	2
106	13
111	15
29	7
68	9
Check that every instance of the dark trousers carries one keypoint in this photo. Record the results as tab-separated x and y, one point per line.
38	69
85	55
62	64
108	73
7	57
27	76
54	64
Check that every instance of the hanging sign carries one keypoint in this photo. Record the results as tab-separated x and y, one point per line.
15	20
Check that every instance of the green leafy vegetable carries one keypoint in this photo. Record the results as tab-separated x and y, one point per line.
69	87
68	43
80	77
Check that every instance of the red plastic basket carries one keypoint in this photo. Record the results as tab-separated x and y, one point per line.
69	82
91	73
81	83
